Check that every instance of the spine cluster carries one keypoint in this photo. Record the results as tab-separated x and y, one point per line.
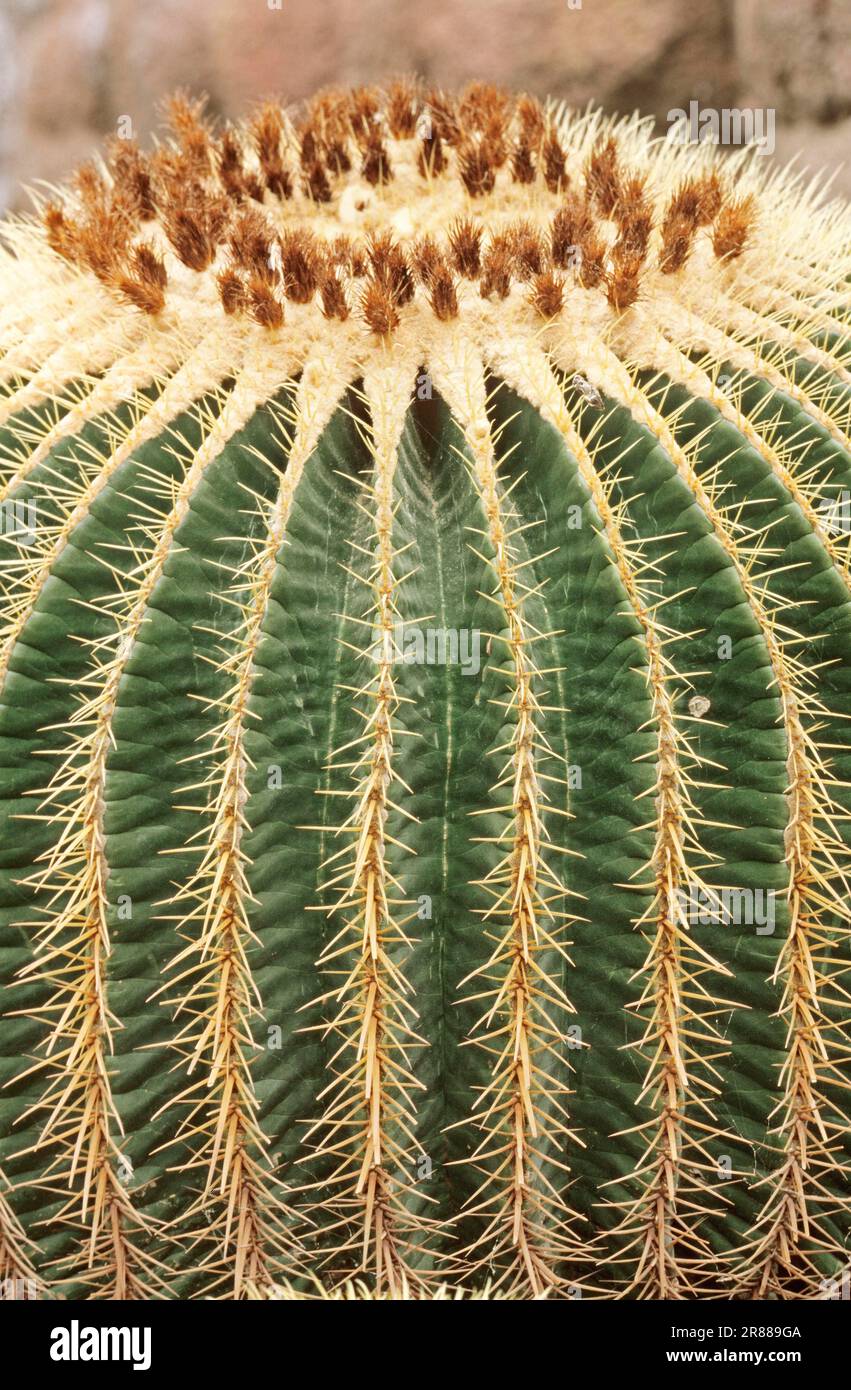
247	205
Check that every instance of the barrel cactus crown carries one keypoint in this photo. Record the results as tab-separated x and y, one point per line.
424	735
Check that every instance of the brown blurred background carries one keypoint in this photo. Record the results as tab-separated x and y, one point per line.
70	70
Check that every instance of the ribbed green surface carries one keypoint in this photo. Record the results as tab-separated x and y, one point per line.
301	711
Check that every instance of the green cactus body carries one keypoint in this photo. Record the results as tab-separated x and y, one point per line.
424	713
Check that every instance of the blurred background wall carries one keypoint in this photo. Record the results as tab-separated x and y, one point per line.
70	70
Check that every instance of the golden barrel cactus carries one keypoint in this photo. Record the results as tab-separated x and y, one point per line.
423	744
